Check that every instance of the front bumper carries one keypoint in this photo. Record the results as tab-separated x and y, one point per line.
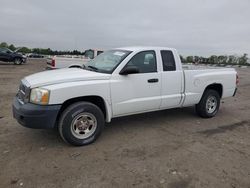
24	60
35	116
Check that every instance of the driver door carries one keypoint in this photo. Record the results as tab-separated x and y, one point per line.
139	92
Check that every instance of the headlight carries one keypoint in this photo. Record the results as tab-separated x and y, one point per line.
39	96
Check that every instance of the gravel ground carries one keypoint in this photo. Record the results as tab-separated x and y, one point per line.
171	148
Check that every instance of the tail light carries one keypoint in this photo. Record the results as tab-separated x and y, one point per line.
237	79
53	63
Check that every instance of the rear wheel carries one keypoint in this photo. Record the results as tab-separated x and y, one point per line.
17	61
81	123
209	104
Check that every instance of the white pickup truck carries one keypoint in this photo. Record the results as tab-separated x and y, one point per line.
58	62
118	82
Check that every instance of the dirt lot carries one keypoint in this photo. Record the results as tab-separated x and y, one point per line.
171	148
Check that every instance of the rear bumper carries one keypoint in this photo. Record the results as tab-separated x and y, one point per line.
35	116
50	68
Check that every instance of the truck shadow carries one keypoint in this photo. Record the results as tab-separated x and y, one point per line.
151	118
224	128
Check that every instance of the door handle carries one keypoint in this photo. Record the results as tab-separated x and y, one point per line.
153	80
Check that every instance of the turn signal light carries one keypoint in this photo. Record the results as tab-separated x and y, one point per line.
53	63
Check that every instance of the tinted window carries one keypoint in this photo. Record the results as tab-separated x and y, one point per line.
144	61
89	54
168	60
4	50
99	52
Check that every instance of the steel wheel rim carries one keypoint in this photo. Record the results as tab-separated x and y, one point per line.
211	104
17	61
83	125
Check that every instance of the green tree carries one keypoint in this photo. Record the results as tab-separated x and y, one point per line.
190	59
4	45
232	59
243	59
222	59
12	47
213	59
24	50
196	59
36	50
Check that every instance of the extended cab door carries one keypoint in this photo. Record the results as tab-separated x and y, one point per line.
138	92
172	80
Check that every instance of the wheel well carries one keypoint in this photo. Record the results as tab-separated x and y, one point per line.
75	66
17	58
98	101
216	87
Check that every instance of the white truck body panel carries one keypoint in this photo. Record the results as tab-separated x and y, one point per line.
197	80
70	61
132	94
63	76
65	62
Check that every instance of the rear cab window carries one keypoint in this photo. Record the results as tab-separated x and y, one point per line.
168	61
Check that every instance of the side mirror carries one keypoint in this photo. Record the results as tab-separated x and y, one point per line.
129	70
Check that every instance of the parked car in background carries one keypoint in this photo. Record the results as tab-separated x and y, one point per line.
58	62
35	55
119	82
8	55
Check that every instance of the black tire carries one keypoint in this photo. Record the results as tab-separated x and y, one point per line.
17	61
69	116
201	107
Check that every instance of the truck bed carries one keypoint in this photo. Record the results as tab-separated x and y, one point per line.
199	67
196	79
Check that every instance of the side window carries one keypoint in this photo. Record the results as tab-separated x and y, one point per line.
145	61
168	60
3	50
99	52
89	54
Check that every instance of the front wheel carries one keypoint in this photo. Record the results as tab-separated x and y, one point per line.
209	104
17	61
81	123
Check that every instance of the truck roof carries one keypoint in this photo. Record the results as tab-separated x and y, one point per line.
141	48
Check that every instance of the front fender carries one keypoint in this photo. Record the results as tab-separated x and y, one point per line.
59	93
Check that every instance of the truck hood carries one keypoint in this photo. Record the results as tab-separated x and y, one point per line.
63	75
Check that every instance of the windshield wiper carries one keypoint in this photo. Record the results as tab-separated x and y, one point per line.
93	68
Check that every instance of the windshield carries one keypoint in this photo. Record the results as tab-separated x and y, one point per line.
107	61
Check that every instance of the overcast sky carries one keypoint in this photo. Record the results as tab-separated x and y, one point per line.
194	27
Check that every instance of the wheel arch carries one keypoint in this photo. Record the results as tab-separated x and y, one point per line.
215	86
15	58
97	100
75	66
